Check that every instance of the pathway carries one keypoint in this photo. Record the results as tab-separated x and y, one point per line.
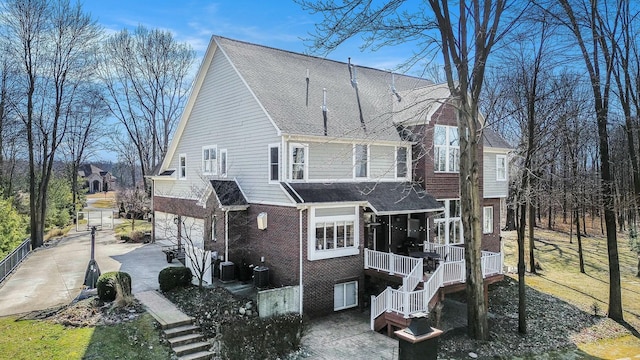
53	275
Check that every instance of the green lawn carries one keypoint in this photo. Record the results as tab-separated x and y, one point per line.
41	339
561	277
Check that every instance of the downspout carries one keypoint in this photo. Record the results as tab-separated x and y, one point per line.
301	262
226	235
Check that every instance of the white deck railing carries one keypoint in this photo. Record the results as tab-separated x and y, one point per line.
389	262
404	300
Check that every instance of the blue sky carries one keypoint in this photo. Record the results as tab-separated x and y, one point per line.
276	23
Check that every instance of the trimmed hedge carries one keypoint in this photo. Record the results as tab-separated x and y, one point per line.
107	285
173	277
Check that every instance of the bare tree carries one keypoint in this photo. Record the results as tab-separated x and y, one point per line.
594	25
85	125
51	42
146	76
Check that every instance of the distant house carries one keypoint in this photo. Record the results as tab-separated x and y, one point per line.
326	172
96	179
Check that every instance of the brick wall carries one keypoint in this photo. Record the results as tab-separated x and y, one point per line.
279	244
491	242
445	185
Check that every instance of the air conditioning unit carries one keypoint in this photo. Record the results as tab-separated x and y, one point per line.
261	277
227	271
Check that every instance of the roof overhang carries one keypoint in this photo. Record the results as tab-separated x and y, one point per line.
384	198
229	195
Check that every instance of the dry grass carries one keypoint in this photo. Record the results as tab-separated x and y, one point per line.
561	277
103	200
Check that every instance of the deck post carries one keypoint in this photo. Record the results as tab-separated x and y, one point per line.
392	263
366	258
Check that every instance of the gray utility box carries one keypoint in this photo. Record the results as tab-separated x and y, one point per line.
261	276
227	271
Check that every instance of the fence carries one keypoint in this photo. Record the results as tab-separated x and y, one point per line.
98	218
14	259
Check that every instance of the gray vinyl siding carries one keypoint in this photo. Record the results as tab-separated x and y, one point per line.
334	161
382	164
330	161
492	187
227	115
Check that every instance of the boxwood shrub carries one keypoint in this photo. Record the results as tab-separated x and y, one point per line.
173	277
107	285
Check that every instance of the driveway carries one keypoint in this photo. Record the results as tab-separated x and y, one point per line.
53	275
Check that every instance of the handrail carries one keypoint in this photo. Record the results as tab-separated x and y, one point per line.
14	258
404	300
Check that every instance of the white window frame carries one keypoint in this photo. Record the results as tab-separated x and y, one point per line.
223	163
346	214
213	163
501	171
487	214
448	150
445	224
344	304
182	169
406	162
305	165
270	164
357	162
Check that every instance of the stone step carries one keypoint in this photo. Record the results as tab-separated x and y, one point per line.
181	330
191	348
202	355
177	323
184	339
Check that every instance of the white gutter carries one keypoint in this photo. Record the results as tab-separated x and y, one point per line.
301	262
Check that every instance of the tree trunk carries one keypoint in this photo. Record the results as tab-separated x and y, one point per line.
579	237
470	198
522	315
532	260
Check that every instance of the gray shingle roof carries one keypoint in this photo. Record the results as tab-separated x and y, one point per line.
383	197
491	138
228	193
279	80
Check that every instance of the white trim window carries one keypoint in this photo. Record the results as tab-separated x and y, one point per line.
501	168
223	162
487	220
298	158
345	295
182	166
274	163
333	232
446	149
360	161
448	224
401	162
210	160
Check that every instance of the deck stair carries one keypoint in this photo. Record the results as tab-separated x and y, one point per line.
410	298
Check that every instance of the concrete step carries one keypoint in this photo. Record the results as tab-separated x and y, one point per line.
181	330
185	339
175	324
191	348
202	355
